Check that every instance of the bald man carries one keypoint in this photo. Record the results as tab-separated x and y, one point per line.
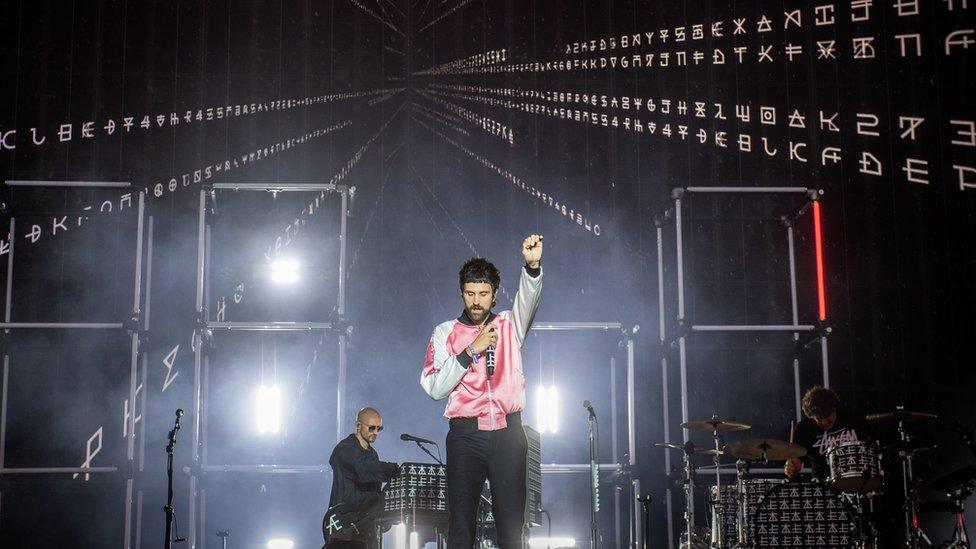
357	480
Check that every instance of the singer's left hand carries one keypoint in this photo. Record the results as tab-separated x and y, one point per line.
532	250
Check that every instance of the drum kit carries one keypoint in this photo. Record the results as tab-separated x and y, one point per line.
838	511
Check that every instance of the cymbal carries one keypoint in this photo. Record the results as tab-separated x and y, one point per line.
715	424
681	448
900	415
766	449
720	466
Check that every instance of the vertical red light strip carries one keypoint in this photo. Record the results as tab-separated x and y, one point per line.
821	294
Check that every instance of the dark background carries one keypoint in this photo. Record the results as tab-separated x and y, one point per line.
899	255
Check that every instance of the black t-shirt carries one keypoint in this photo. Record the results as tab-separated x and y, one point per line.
817	441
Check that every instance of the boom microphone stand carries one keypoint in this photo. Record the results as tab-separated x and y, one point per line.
594	476
169	488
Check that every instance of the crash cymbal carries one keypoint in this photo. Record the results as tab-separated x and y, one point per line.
766	449
691	447
714	424
900	415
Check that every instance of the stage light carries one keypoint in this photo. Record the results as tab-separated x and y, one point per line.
267	409
400	536
414	540
280	543
284	271
818	242
551	543
547	409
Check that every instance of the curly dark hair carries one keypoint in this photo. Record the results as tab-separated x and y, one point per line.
820	402
478	269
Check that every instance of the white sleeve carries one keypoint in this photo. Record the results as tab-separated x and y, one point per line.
442	371
526	303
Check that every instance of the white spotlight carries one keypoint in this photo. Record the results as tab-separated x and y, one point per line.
284	271
267	409
280	543
551	543
400	536
547	409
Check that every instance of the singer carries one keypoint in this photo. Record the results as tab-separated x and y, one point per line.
475	361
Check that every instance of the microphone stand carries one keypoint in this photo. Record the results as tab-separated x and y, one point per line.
594	478
439	462
645	501
428	452
170	514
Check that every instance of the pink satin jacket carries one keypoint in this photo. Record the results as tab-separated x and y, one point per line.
469	391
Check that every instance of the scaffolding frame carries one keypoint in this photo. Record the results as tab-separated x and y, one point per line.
627	341
684	330
614	466
205	328
137	326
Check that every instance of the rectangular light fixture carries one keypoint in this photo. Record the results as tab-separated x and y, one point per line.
818	242
547	409
399	536
284	271
551	543
267	409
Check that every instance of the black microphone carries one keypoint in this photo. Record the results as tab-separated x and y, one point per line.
589	408
490	360
179	412
411	438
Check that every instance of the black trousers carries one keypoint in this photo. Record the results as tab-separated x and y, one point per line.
472	457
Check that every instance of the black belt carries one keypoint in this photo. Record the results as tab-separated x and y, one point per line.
514	417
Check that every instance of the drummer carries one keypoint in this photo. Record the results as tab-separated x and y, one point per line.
826	424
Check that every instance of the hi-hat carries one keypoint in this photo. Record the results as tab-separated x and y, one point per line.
900	416
691	449
765	449
714	425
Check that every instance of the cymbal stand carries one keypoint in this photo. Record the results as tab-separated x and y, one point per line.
865	519
689	496
741	500
913	532
960	539
718	533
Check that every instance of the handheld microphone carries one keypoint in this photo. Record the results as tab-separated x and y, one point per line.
589	408
411	438
490	360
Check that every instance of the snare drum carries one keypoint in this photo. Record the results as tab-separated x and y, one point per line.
855	467
804	514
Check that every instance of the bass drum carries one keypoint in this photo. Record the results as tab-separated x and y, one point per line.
734	505
804	514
